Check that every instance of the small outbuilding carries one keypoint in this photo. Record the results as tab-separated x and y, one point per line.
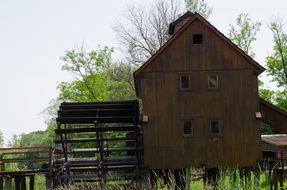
274	148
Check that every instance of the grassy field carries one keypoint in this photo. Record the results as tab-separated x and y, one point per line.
226	181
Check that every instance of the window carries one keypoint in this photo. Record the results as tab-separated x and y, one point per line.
197	39
215	127
187	128
213	81
184	81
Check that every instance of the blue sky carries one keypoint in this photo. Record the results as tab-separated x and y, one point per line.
34	34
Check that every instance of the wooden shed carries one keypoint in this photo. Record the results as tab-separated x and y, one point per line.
274	148
200	94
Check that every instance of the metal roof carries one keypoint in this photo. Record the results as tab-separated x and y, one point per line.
276	139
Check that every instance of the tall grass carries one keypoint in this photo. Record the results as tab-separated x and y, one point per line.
229	179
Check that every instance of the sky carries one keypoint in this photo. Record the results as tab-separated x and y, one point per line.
34	34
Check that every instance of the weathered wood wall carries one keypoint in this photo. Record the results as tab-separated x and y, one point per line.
273	116
234	103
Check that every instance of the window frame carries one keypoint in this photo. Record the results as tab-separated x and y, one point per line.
195	38
183	127
180	81
208	81
219	127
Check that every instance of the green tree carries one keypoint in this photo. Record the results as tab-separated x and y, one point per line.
15	141
199	6
36	138
97	77
277	61
243	33
1	139
264	93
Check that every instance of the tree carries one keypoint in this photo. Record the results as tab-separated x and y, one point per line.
244	33
36	138
144	31
97	77
15	141
198	6
277	61
1	139
86	68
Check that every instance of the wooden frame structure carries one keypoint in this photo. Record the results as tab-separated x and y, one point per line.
43	155
103	156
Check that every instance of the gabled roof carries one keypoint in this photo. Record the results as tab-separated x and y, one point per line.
194	17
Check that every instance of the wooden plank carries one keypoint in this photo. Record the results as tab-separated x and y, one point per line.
13	160
93	120
21	172
80	140
96	129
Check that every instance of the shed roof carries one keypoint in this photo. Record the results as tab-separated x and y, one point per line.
194	17
277	140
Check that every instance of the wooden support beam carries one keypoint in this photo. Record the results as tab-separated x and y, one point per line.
32	180
49	181
17	182
23	182
8	183
1	183
96	129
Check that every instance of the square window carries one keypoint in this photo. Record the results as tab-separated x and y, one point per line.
184	81
197	39
187	128
215	127
213	81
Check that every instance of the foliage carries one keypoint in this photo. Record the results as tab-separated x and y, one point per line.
199	6
267	129
86	68
97	77
36	138
277	61
143	31
15	141
1	139
244	33
277	65
264	93
228	179
281	99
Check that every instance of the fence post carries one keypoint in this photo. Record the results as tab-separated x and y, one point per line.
32	179
8	183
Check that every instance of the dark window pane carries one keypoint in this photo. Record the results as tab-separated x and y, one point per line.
215	127
197	39
212	81
187	128
184	81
